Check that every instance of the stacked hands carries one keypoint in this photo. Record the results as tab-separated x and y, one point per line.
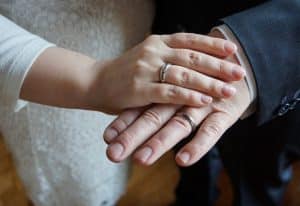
203	85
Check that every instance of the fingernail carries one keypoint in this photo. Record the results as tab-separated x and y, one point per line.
144	154
184	157
206	99
110	134
228	91
238	72
230	47
116	150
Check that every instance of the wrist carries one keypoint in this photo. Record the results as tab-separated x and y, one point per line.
93	87
58	77
84	79
227	33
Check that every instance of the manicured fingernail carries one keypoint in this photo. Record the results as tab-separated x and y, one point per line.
238	72
228	91
206	99
144	154
116	150
110	134
230	47
184	157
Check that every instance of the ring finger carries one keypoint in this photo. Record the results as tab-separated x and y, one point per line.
175	130
191	79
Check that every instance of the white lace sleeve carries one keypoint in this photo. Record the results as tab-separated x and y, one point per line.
18	51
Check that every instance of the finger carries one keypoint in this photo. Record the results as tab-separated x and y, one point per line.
206	64
175	130
121	123
203	43
208	134
144	127
172	94
190	79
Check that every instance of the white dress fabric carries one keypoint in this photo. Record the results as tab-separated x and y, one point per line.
59	153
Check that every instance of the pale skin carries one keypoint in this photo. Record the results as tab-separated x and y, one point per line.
64	78
151	132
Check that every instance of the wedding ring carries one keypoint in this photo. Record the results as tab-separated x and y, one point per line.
163	72
189	119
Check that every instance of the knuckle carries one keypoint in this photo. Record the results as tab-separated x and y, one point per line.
179	53
185	78
138	64
214	86
161	92
177	37
158	143
140	68
191	39
181	123
151	46
119	125
152	38
152	117
126	139
212	129
194	59
174	92
146	51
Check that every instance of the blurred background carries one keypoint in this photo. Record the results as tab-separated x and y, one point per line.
148	186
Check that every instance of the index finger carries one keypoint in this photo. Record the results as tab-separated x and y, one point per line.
138	132
122	122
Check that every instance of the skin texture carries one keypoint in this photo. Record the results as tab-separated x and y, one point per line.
64	78
150	132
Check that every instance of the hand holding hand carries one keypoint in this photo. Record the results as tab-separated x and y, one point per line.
133	79
150	133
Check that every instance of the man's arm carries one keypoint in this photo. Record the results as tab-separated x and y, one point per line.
269	35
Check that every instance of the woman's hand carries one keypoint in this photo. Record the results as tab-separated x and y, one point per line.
132	80
64	78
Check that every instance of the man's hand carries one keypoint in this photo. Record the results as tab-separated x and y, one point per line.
158	129
150	132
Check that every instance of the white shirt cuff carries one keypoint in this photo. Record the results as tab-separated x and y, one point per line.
241	57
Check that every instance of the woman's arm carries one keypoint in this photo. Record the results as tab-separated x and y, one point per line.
68	79
59	77
18	50
269	34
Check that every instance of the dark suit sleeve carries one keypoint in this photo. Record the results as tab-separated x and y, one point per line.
270	36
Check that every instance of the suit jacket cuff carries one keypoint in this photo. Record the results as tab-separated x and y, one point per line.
242	59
